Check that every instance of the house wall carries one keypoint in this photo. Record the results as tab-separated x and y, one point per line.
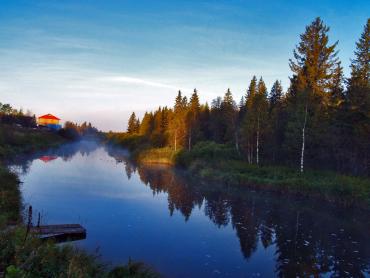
41	121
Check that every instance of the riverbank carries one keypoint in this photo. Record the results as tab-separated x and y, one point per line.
23	255
18	140
220	163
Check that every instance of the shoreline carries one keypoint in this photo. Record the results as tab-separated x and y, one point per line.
344	190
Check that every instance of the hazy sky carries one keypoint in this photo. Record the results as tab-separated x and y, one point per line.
99	60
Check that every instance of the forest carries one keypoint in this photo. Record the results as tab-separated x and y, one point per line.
322	121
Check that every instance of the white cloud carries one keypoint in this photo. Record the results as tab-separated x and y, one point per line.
139	81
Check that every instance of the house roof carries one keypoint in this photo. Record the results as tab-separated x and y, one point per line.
49	117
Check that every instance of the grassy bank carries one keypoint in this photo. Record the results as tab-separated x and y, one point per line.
30	257
21	257
222	164
15	140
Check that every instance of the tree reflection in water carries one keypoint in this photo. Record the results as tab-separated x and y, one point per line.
310	237
21	163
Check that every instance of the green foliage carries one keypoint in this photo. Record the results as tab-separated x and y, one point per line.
74	131
9	197
11	116
15	139
133	125
360	66
133	269
36	258
129	141
14	272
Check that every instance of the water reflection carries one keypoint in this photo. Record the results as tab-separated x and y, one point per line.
22	163
309	238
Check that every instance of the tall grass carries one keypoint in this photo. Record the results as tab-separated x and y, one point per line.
35	258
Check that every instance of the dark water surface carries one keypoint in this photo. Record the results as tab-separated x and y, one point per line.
186	229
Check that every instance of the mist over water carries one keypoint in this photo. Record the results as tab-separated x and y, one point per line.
186	229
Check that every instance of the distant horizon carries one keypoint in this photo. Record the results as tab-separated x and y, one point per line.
99	62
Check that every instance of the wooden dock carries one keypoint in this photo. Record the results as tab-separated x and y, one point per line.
60	233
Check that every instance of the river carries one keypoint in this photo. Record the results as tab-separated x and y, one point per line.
183	228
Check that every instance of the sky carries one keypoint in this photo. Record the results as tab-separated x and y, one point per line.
98	61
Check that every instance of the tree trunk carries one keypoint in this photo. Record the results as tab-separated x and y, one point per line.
303	139
252	143
249	153
236	141
257	142
176	140
189	140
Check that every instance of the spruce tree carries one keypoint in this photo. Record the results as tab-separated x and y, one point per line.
132	124
358	106
146	126
313	66
229	119
248	123
275	94
192	119
360	66
275	122
178	122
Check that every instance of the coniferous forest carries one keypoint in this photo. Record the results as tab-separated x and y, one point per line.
322	121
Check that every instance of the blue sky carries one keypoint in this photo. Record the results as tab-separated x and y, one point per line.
99	60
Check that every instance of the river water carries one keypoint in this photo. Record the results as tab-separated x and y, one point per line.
186	229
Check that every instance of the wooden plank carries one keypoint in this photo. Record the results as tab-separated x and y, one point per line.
60	233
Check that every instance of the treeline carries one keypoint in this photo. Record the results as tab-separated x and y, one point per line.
10	115
321	121
75	131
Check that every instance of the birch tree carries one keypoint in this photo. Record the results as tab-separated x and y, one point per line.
313	65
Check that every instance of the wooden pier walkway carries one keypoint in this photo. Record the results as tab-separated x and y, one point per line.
60	233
